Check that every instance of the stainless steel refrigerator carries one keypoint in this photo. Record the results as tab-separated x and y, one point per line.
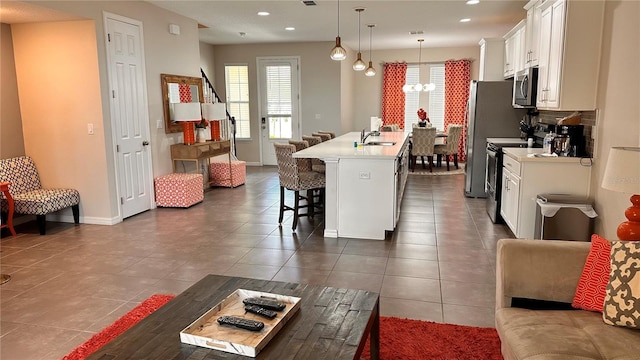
489	114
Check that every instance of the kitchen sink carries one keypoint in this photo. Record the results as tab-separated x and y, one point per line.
381	143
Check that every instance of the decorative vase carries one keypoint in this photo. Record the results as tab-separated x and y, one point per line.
200	134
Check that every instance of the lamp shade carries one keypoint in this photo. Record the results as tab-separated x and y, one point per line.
216	111
186	111
622	173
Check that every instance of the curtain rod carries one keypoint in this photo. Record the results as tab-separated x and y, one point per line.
421	63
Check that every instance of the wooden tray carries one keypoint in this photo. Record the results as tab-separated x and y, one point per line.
206	331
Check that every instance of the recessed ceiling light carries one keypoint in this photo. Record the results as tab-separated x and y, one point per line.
465	20
289	28
472	2
263	13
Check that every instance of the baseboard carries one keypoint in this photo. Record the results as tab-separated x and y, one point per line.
253	164
84	219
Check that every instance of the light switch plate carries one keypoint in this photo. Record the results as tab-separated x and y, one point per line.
90	129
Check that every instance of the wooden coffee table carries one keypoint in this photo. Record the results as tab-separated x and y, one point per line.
332	323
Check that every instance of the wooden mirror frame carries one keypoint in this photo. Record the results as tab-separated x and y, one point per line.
166	79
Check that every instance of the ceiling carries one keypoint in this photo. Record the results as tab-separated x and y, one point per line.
394	20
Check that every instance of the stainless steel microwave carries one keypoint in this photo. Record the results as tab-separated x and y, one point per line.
525	87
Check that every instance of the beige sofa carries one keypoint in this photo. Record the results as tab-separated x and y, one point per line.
549	270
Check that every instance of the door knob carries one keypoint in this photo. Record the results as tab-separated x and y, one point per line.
145	143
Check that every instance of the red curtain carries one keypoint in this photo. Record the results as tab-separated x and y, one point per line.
392	95
457	76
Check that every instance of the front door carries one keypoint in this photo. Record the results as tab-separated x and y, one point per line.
129	115
278	84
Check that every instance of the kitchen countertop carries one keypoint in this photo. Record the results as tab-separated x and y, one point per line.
528	154
342	147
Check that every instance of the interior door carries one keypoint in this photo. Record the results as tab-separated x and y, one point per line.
278	84
129	114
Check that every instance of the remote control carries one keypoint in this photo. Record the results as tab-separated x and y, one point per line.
260	311
267	304
241	323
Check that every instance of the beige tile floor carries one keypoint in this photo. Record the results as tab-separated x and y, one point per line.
438	265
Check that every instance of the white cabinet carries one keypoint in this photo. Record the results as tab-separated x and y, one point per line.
513	56
510	199
524	177
491	59
569	54
532	41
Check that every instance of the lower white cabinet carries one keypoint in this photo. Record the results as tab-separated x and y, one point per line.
524	176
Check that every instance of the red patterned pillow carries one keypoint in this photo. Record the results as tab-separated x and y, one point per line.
592	286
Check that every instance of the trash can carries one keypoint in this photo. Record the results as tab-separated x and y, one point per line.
564	217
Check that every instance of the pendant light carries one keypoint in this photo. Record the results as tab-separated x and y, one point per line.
419	87
359	65
338	52
371	71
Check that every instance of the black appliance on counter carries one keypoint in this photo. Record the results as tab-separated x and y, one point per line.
493	184
569	139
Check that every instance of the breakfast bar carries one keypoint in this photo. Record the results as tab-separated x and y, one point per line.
364	183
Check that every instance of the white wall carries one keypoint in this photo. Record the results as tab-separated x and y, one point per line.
619	117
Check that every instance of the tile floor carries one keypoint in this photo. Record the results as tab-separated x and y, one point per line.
438	265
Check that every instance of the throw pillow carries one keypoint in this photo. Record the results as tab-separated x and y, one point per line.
592	285
622	302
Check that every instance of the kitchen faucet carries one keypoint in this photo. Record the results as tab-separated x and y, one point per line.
364	137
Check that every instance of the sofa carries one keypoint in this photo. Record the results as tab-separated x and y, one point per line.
548	271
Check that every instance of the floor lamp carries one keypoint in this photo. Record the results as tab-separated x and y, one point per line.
622	174
187	114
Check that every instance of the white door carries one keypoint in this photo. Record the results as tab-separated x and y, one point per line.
278	84
129	117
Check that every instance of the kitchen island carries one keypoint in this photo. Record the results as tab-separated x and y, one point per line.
364	184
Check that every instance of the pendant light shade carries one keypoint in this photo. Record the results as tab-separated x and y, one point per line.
370	71
359	65
338	52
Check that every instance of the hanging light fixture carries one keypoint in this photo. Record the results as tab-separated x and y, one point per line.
359	65
419	87
338	52
370	71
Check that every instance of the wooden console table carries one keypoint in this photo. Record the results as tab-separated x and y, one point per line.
201	152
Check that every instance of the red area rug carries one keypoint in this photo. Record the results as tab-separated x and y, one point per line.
121	325
400	339
404	339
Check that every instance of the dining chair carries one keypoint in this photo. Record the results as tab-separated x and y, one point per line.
292	179
316	164
423	142
454	133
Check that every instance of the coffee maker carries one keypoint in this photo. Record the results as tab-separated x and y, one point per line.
570	141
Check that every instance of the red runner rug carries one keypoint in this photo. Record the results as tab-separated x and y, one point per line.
400	339
405	339
121	325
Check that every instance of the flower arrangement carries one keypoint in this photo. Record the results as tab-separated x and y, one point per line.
424	118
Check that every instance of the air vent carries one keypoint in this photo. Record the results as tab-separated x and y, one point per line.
309	3
417	32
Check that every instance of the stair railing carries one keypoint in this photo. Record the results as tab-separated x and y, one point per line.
228	128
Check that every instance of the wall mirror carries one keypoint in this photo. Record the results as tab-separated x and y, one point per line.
177	89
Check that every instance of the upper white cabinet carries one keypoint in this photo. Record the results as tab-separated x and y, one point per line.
569	54
513	54
532	33
491	59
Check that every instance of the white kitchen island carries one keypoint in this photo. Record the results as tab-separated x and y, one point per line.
364	185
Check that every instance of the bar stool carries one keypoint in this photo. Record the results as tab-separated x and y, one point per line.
332	134
316	164
324	137
291	178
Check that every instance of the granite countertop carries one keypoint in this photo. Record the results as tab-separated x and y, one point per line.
529	154
342	147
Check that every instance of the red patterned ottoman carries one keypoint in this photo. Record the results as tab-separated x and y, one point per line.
219	173
179	190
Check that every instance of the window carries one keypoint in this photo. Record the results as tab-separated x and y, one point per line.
432	101
279	103
237	85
